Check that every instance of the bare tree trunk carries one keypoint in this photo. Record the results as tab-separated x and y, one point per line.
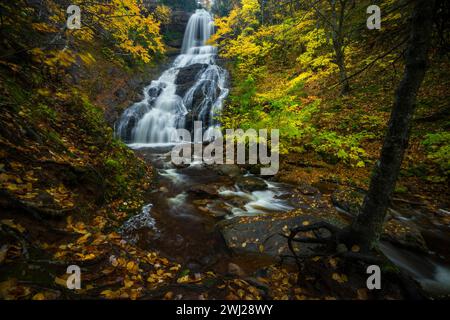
337	37
263	11
368	226
340	61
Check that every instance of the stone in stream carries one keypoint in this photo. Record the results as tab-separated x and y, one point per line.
230	170
307	189
251	183
235	270
261	234
396	229
209	190
187	77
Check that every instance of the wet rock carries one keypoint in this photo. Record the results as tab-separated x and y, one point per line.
437	241
218	214
443	213
203	209
218	209
189	73
261	234
396	229
201	102
193	267
258	284
404	233
209	190
253	168
235	270
325	187
201	202
230	170
177	26
349	200
179	240
251	184
307	190
155	91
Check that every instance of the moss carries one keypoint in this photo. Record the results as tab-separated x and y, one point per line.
401	189
43	112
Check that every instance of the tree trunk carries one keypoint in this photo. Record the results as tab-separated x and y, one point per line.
368	226
340	61
337	37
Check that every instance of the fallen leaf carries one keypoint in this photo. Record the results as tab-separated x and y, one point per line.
38	296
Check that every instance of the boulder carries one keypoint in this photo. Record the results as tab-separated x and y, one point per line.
188	74
230	170
396	229
251	184
262	234
187	77
206	190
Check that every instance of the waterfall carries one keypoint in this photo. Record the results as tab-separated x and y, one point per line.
192	89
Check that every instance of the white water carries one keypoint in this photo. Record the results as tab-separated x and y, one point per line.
154	120
432	275
257	202
139	221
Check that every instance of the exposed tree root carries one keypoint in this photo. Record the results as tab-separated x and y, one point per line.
333	241
34	209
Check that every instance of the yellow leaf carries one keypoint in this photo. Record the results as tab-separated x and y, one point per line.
109	294
89	256
84	238
131	266
39	296
168	295
61	281
10	223
183	279
128	283
340	278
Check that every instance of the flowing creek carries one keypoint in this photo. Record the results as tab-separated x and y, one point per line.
187	202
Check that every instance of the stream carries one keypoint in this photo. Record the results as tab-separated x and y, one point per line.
182	212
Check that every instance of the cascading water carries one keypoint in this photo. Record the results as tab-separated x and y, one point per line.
193	89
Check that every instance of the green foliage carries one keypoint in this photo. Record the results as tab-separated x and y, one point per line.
438	149
112	164
250	111
337	147
92	115
44	112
